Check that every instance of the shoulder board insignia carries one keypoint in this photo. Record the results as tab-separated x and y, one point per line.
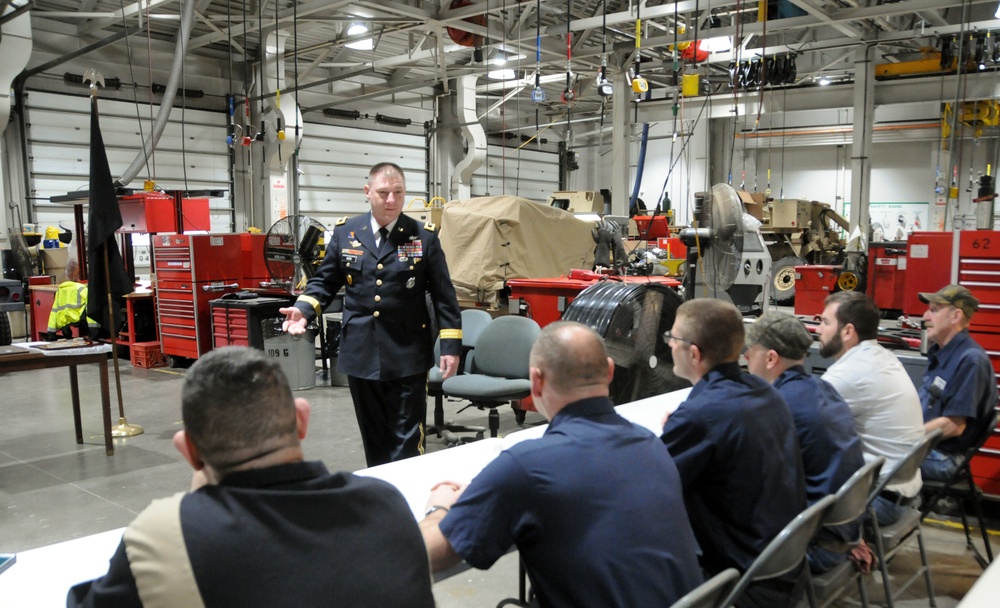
342	221
429	227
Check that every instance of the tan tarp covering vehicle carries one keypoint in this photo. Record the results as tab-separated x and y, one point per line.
490	239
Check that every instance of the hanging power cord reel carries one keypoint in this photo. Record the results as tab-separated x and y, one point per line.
538	93
569	95
604	87
639	84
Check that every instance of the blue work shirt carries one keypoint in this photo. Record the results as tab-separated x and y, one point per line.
831	448
959	381
735	446
594	507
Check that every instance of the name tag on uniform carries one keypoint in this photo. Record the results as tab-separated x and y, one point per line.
351	255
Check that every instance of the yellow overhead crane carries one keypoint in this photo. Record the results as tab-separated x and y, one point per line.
975	114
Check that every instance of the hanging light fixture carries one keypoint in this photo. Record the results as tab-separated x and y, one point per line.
365	44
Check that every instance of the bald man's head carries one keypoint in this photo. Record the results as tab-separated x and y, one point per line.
572	356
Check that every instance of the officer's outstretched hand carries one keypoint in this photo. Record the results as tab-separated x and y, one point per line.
295	323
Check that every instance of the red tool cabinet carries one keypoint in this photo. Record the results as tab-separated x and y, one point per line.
979	271
191	270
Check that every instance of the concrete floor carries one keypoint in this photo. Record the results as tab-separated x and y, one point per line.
52	489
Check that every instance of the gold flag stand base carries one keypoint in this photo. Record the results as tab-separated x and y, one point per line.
124	429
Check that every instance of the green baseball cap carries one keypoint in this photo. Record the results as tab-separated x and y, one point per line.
954	295
782	333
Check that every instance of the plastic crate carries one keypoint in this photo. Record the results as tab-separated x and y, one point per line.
146	354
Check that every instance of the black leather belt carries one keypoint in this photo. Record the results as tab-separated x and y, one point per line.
896	497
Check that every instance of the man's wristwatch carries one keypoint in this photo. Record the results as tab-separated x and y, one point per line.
435	508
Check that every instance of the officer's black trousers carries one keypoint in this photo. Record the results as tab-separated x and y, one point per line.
391	416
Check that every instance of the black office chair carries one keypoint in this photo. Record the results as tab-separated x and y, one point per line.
473	323
962	487
785	553
888	540
710	593
499	367
850	503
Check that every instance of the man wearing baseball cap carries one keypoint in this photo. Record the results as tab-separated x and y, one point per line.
777	345
959	389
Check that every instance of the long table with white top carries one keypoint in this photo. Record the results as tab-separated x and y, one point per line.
41	577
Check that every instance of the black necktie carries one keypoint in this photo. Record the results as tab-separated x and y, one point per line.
383	234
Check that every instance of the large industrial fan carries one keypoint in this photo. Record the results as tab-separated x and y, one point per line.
632	317
293	250
727	256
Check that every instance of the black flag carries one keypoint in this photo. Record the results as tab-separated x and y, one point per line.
103	219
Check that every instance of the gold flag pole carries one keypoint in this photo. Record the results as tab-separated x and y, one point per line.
123	428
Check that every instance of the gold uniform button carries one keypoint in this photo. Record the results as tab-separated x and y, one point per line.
423	326
378	282
379	267
378	298
375	314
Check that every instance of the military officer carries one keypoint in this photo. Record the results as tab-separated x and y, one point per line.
387	262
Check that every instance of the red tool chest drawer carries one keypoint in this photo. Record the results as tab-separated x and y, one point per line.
191	270
238	322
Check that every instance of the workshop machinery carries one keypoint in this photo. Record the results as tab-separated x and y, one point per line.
727	256
799	232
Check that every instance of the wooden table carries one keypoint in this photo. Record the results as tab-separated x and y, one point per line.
36	359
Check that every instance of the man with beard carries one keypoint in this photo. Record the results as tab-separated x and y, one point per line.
882	398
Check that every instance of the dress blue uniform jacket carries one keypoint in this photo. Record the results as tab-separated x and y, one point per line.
735	446
959	381
386	329
594	507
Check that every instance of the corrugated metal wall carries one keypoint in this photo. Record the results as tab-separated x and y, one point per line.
334	162
191	154
527	173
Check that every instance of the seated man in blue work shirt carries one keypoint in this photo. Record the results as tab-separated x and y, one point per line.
959	389
735	446
594	506
777	345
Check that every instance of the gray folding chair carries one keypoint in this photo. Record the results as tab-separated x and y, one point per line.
962	487
473	323
499	367
710	593
785	553
888	540
849	505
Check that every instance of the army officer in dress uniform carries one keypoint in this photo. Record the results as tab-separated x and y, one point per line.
388	262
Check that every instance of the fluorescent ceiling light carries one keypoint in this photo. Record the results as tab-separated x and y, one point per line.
365	44
503	74
997	14
824	81
716	45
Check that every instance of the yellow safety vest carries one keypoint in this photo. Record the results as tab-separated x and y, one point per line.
69	305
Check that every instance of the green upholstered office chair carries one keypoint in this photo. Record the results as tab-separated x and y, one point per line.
473	323
499	367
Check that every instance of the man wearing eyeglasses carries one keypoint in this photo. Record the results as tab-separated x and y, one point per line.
959	390
734	443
